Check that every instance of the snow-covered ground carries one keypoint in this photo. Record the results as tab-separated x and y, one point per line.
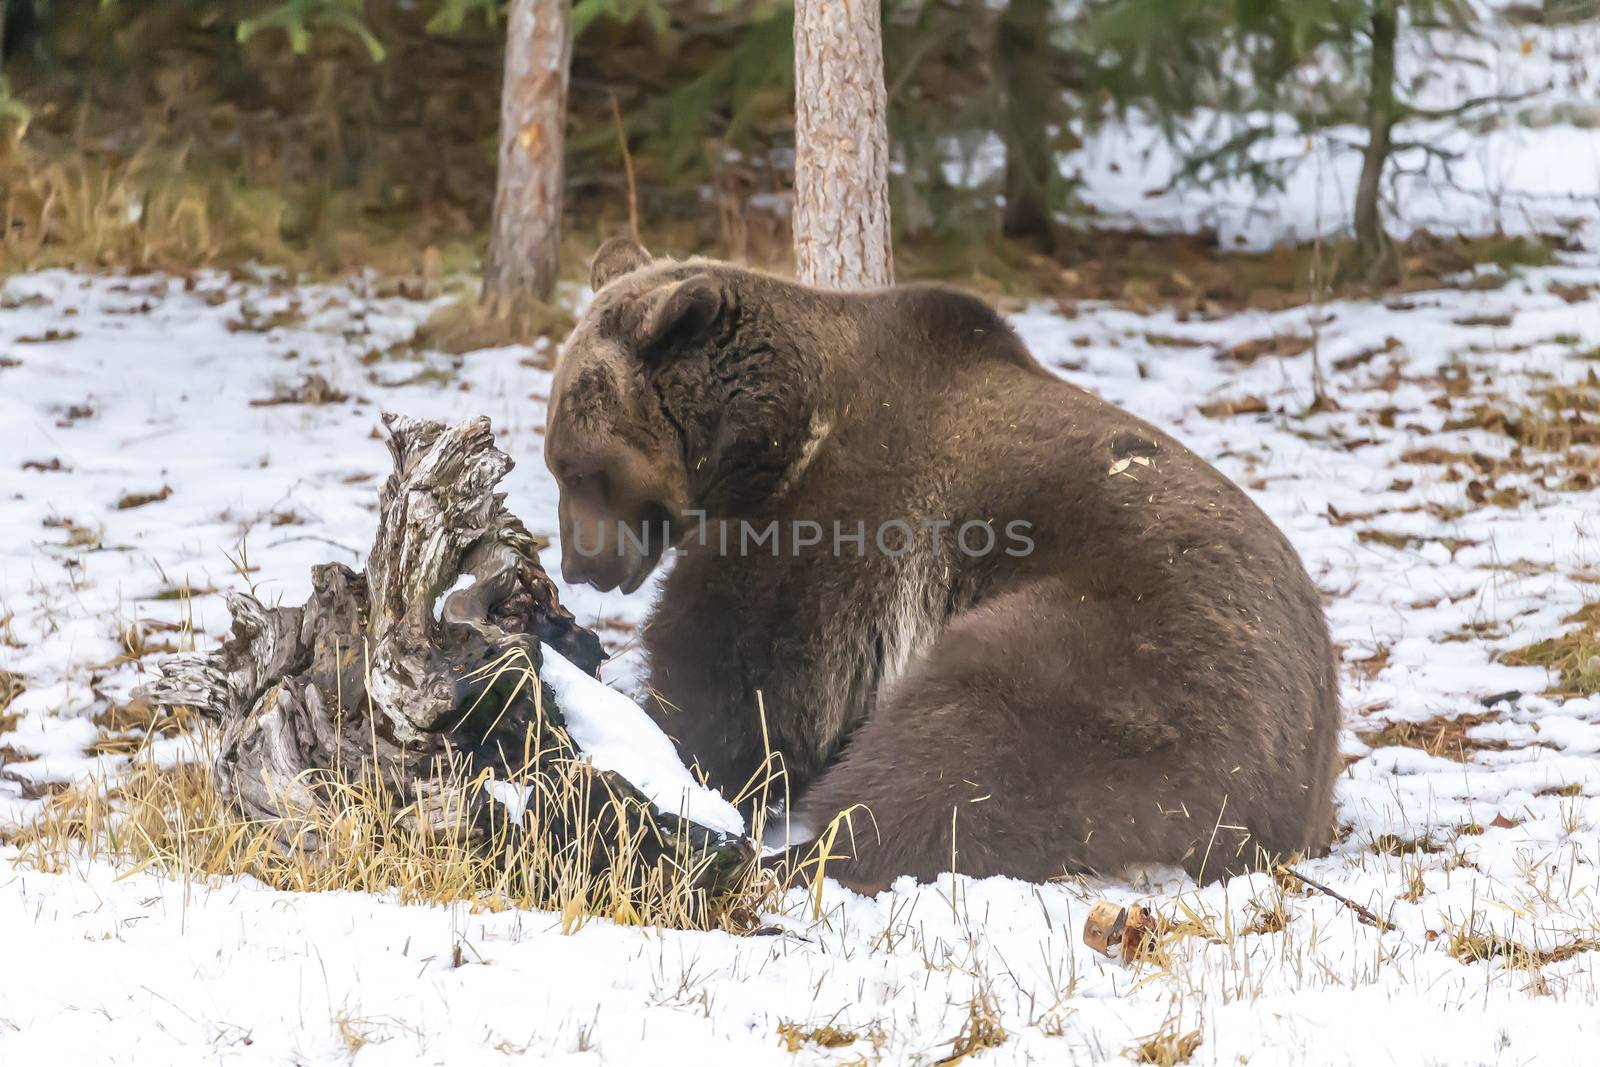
157	445
1433	560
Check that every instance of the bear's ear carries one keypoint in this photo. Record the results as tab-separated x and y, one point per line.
614	258
679	313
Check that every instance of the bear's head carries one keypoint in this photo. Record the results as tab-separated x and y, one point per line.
610	440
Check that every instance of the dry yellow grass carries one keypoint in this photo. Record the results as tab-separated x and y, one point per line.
1167	1047
176	821
10	689
982	1030
1446	736
139	212
1469	945
155	209
796	1036
470	324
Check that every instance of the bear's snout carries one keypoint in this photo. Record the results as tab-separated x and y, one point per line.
600	549
606	572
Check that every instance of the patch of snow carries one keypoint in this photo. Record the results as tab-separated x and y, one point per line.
465	581
616	735
509	795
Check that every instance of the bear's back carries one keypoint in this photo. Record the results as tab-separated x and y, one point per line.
932	323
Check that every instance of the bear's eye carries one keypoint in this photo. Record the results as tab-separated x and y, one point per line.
587	481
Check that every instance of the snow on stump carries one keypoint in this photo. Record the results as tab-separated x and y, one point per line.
448	681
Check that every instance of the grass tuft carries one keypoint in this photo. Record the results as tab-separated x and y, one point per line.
1468	946
1573	657
1166	1047
10	689
470	324
1445	736
982	1029
796	1036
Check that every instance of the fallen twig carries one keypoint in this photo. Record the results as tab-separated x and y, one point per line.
313	537
1367	915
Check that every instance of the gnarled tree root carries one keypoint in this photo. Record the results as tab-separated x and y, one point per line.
418	681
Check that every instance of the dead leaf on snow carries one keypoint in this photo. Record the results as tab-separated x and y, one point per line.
1245	405
139	500
1366	355
1283	345
1572	294
314	389
49	336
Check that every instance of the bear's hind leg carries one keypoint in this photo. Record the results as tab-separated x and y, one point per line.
1026	742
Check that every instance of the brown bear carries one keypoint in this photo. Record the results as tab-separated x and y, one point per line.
1024	631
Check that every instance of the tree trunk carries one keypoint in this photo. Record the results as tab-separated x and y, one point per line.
1375	259
841	163
421	677
1023	62
525	234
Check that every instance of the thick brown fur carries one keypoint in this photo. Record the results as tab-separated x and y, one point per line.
1152	684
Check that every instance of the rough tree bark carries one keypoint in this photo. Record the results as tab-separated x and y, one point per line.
841	165
398	675
525	233
1022	53
1375	260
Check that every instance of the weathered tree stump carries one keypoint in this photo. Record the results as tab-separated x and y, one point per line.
421	676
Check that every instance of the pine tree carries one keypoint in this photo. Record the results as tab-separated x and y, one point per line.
525	234
841	169
1375	257
1023	67
1244	56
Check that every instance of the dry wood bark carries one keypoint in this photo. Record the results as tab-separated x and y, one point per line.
841	165
397	675
525	233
